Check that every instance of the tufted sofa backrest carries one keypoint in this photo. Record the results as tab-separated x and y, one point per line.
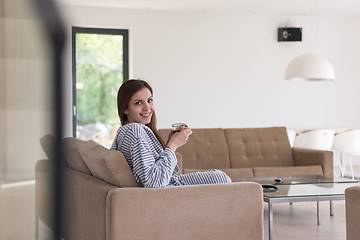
205	149
258	147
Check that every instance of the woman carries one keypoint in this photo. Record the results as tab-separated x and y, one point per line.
153	162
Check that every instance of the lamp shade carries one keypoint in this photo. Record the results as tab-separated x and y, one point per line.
310	67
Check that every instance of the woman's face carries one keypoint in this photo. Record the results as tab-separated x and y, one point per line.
140	107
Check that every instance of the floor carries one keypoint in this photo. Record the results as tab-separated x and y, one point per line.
17	211
297	221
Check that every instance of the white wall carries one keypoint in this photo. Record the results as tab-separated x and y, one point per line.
225	69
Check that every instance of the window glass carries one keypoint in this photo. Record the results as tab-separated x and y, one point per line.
100	68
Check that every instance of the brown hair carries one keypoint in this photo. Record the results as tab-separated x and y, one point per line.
126	91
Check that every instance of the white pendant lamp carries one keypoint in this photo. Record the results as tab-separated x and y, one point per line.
310	67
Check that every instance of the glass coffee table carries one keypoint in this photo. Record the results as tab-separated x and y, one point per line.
303	189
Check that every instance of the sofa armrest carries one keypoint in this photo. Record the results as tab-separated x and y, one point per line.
84	206
217	211
308	157
44	170
352	206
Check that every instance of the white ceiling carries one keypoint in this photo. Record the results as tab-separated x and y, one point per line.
288	7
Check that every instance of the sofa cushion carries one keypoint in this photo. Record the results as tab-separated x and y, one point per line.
236	174
288	171
108	165
72	154
259	147
205	149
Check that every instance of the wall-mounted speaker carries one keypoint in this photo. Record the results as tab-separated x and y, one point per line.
289	34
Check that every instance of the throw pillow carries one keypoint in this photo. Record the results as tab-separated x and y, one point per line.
47	143
108	165
72	155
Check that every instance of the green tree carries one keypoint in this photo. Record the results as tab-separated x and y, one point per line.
99	74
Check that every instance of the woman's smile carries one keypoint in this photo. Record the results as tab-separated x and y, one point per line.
146	115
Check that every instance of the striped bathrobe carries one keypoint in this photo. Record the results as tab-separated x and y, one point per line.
153	166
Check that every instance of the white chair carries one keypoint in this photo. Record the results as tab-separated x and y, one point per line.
321	139
347	143
291	135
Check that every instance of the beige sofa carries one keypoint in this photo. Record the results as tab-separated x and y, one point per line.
103	201
352	205
251	152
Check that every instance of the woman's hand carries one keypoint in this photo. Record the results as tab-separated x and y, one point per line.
179	138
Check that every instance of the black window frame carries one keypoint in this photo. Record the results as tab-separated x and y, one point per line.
109	31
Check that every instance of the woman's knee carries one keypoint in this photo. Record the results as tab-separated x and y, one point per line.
228	179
